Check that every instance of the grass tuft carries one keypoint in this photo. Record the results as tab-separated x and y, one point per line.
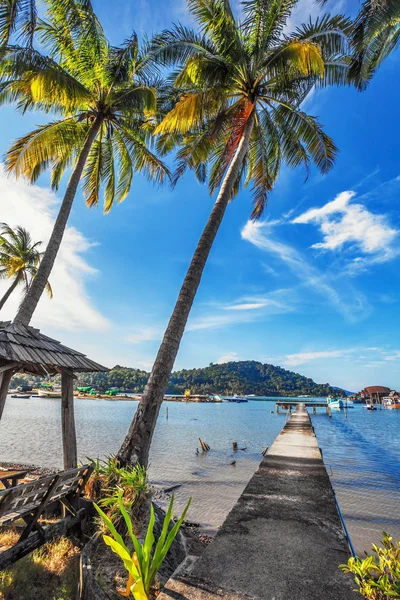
49	573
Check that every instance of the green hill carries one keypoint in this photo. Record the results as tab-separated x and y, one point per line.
242	377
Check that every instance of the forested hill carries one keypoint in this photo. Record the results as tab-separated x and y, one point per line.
243	377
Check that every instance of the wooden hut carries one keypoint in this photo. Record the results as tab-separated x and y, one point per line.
23	349
375	393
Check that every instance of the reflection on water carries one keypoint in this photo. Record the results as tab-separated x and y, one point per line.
362	455
30	432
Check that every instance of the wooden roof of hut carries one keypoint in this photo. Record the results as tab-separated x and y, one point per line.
33	352
376	389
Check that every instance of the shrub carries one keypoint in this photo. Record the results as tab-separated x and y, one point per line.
377	576
143	563
109	481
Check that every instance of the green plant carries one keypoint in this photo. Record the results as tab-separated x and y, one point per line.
109	481
377	577
143	563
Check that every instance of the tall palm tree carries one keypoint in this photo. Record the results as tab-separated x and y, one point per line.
19	259
376	34
106	107
240	86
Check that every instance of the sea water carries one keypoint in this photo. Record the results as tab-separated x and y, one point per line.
361	452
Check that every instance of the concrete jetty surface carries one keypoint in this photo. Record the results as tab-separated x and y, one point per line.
283	540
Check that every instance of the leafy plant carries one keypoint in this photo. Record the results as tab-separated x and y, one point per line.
143	563
377	577
109	481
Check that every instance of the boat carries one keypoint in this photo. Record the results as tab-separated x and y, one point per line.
19	395
334	402
47	393
238	399
391	402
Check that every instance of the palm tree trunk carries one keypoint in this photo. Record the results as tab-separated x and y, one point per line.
136	446
30	302
9	292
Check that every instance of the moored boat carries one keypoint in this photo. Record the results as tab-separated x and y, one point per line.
334	402
238	399
47	393
391	402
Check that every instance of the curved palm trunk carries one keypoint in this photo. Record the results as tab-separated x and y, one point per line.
9	292
30	302
136	445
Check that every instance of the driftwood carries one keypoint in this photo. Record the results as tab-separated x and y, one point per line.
264	452
235	446
204	446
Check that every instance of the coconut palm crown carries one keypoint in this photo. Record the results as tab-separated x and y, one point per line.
375	35
104	106
234	71
19	259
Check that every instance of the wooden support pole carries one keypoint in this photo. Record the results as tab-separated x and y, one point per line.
5	378
68	422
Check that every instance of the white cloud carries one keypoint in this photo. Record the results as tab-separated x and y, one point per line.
144	335
228	357
353	305
300	358
251	305
243	310
35	208
344	223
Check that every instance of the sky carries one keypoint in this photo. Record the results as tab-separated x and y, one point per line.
313	286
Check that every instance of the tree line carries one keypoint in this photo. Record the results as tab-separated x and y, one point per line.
238	377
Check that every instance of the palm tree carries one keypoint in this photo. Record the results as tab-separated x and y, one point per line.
18	16
240	86
106	106
19	259
376	33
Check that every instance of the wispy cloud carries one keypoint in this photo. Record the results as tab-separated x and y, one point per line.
349	224
35	208
300	358
146	334
353	306
228	357
243	310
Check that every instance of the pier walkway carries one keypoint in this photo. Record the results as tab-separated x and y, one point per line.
288	405
283	540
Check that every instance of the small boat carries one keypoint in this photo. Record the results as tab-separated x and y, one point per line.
239	399
392	402
334	402
47	393
369	405
20	395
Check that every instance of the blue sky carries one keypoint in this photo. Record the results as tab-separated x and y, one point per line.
313	287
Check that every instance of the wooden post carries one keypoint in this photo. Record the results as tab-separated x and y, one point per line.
5	378
68	421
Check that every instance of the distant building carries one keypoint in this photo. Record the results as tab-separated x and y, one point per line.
375	392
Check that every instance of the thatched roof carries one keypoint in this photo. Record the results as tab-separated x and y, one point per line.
376	389
36	353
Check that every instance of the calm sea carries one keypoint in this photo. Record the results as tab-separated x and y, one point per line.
361	452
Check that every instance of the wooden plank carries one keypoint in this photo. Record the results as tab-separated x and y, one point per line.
39	511
35	540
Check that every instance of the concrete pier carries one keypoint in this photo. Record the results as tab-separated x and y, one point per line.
283	540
